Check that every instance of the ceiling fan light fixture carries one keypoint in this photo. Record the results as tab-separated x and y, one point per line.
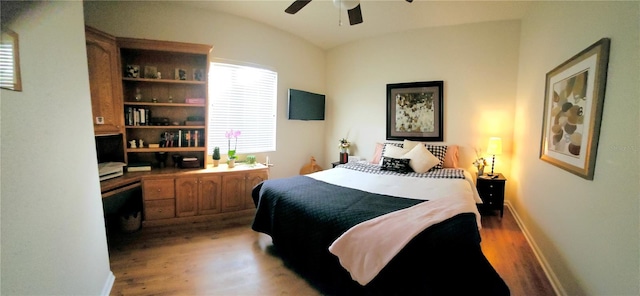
346	4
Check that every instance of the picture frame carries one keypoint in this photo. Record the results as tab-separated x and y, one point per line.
10	77
574	99
180	74
199	75
415	111
150	72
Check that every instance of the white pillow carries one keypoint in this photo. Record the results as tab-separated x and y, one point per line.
393	151
421	160
408	144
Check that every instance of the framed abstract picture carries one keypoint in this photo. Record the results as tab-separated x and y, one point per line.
574	98
415	111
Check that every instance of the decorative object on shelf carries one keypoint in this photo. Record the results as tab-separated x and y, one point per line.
180	74
479	163
232	134
415	111
216	156
159	75
132	143
198	74
170	99
161	157
344	150
494	148
133	71
138	95
177	159
231	163
140	143
251	160
150	72
574	97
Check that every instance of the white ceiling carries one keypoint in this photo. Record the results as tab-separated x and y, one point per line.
318	22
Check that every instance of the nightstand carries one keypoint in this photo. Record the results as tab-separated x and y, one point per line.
491	192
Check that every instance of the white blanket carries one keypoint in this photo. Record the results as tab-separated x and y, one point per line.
367	247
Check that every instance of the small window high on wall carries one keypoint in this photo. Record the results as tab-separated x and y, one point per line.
242	98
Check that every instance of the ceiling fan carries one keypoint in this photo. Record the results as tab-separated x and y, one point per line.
351	6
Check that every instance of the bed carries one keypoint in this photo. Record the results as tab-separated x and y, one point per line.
360	229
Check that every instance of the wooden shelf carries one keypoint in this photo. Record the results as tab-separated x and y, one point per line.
168	149
188	127
170	81
152	104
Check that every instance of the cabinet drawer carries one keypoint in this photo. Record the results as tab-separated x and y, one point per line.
159	209
158	189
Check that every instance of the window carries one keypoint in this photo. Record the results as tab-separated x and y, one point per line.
10	61
242	98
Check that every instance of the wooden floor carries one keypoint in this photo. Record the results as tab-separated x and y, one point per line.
208	259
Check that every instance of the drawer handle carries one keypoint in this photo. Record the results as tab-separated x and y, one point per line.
159	190
490	186
490	194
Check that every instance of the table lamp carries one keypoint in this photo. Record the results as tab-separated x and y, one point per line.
494	148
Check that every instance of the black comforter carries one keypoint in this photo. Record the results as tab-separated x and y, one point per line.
304	216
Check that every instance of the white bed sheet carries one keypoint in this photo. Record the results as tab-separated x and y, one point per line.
400	186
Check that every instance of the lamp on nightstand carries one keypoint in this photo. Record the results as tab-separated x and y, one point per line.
494	148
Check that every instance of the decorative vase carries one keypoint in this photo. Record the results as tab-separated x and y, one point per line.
216	162
480	170
344	157
231	163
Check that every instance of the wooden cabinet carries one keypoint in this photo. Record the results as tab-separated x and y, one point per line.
491	191
104	82
253	179
175	196
158	198
165	99
198	195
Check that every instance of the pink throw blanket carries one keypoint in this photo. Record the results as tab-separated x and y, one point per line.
367	247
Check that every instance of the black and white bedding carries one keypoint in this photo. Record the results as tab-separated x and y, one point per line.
422	232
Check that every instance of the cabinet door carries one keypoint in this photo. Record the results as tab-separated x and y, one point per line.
210	200
186	196
104	82
253	179
233	192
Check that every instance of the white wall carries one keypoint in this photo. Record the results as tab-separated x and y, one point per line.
587	231
477	62
299	64
53	232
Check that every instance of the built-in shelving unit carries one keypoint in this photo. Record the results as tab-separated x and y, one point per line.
164	89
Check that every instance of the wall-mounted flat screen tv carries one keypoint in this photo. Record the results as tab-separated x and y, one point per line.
304	105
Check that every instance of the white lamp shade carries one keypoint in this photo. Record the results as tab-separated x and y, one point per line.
346	4
495	146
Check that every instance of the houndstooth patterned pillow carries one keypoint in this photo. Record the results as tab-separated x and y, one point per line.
439	151
446	173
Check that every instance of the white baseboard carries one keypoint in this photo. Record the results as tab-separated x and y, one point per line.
106	289
555	283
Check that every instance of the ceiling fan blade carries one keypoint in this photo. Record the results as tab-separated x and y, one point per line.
355	15
296	6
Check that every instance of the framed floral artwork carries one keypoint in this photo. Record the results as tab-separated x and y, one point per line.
574	98
415	111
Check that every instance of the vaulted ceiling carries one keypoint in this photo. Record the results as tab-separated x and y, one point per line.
319	21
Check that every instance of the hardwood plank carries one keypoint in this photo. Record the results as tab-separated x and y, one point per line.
232	259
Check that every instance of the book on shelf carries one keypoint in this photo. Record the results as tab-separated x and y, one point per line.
138	166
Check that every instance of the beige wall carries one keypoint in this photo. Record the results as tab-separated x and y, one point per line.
587	231
477	62
53	232
299	64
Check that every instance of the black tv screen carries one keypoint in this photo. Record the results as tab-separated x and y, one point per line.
304	105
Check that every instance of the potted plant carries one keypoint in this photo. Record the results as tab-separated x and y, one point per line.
216	156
